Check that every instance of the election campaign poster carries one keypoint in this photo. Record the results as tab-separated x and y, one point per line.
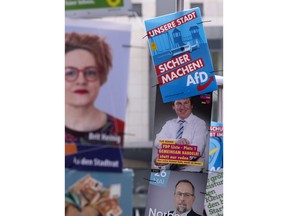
86	157
180	54
172	193
214	189
189	150
96	76
96	193
214	194
216	146
97	9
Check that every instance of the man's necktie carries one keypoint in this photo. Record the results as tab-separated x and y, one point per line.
178	136
180	130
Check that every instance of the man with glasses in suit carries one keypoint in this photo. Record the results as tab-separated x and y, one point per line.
184	198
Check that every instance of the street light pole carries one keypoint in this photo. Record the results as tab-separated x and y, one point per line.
179	5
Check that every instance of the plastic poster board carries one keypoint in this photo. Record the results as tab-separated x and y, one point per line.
99	150
172	156
214	194
216	146
180	54
161	198
96	9
102	192
214	190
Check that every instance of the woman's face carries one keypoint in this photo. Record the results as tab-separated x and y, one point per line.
80	92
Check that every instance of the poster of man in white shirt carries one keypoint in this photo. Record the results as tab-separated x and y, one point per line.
181	131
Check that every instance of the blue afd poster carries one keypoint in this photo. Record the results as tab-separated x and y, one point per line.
180	54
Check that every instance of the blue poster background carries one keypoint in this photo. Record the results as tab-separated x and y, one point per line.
216	146
186	38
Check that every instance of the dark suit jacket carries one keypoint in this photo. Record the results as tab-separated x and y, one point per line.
191	213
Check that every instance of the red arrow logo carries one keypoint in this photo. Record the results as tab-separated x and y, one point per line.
202	87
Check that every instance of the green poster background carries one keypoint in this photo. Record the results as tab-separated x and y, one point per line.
92	4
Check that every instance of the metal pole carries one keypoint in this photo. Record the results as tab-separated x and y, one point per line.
220	104
179	5
219	80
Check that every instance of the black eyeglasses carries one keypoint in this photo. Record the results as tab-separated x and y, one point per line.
90	73
186	195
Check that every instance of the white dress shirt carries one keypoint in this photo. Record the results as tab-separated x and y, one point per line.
195	131
183	214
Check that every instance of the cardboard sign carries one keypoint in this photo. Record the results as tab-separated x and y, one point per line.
96	9
168	151
180	54
97	146
98	193
216	146
164	196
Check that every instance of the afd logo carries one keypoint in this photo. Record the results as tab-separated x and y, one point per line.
204	86
199	78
